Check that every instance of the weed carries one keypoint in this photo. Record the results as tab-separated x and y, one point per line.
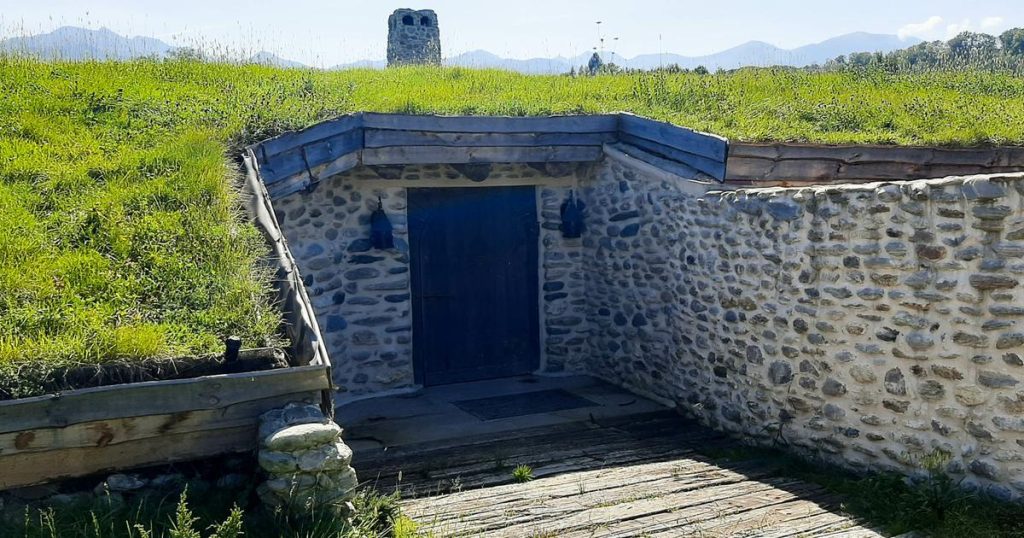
581	485
212	517
522	473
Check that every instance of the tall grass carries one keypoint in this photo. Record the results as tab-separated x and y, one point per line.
121	233
216	513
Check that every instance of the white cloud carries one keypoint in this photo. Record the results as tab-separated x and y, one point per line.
923	30
992	23
935	27
956	28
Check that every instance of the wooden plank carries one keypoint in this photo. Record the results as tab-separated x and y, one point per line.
607	123
980	157
711	167
684	512
785	170
746	168
122	430
826	523
590	481
900	171
438	154
640	514
801	162
755	522
293	184
703	144
302	159
578	491
672	167
751	169
283	165
294	139
540	438
156	397
377	138
338	166
329	149
39	467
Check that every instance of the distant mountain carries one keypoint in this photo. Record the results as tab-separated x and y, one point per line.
268	58
761	54
362	64
752	53
484	59
73	43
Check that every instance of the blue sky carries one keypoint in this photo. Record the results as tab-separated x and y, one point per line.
327	32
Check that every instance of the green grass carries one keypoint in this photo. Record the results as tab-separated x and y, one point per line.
934	505
122	235
213	514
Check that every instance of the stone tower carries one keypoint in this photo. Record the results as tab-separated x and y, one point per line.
413	38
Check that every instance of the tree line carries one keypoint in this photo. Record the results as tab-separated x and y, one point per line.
967	50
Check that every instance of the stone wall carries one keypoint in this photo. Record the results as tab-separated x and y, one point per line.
413	38
563	293
362	296
633	269
871	324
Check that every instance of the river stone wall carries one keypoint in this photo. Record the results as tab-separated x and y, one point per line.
871	324
563	293
362	296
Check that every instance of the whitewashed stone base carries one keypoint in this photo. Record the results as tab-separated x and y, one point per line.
307	464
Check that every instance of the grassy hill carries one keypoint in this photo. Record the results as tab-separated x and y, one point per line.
122	235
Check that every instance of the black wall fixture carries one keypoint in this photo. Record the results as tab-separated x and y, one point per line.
381	232
572	216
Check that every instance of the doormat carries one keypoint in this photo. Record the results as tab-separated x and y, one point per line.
526	403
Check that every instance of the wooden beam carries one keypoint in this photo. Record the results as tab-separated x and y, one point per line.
289	185
329	149
320	131
711	167
744	167
980	157
378	138
303	158
672	167
157	397
115	431
283	165
440	154
706	145
338	166
607	123
31	468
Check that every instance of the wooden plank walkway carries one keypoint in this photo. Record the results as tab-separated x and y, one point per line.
638	476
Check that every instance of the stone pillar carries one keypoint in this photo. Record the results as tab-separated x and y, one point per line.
413	38
307	464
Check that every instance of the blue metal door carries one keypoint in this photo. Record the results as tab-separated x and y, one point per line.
474	283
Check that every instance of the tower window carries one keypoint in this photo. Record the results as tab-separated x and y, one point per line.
425	21
408	20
